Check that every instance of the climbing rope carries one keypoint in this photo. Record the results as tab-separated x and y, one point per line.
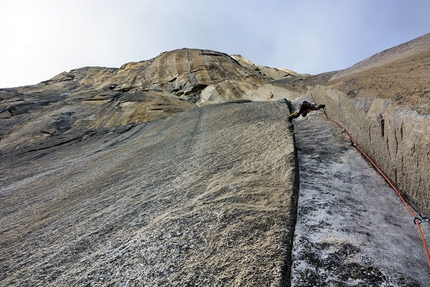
417	220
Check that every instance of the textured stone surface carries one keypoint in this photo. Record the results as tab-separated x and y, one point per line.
94	97
274	73
397	138
352	229
124	176
206	197
386	108
384	103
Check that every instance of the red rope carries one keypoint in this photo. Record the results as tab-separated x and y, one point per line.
416	220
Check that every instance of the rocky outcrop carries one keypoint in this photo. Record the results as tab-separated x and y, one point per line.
91	98
274	73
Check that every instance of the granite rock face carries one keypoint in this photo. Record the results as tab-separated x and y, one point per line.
94	97
183	170
384	102
206	197
352	229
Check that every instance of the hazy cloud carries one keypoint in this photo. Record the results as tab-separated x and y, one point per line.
41	38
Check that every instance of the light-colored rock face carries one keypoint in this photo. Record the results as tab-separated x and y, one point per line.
205	197
396	138
349	220
183	73
274	73
140	175
386	108
95	97
384	103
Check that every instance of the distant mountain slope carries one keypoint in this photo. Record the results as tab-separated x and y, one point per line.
415	47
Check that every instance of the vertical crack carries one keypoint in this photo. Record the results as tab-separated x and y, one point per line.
294	209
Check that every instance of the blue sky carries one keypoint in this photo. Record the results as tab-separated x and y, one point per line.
42	38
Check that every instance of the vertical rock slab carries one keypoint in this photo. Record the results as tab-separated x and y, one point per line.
352	229
206	197
384	102
396	136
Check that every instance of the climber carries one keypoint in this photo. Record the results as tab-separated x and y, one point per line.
304	108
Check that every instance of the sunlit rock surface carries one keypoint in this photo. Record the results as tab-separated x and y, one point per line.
352	229
206	197
384	103
94	97
143	176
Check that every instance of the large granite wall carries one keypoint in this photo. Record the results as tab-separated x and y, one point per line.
396	137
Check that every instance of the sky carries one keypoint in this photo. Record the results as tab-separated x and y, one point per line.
42	38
